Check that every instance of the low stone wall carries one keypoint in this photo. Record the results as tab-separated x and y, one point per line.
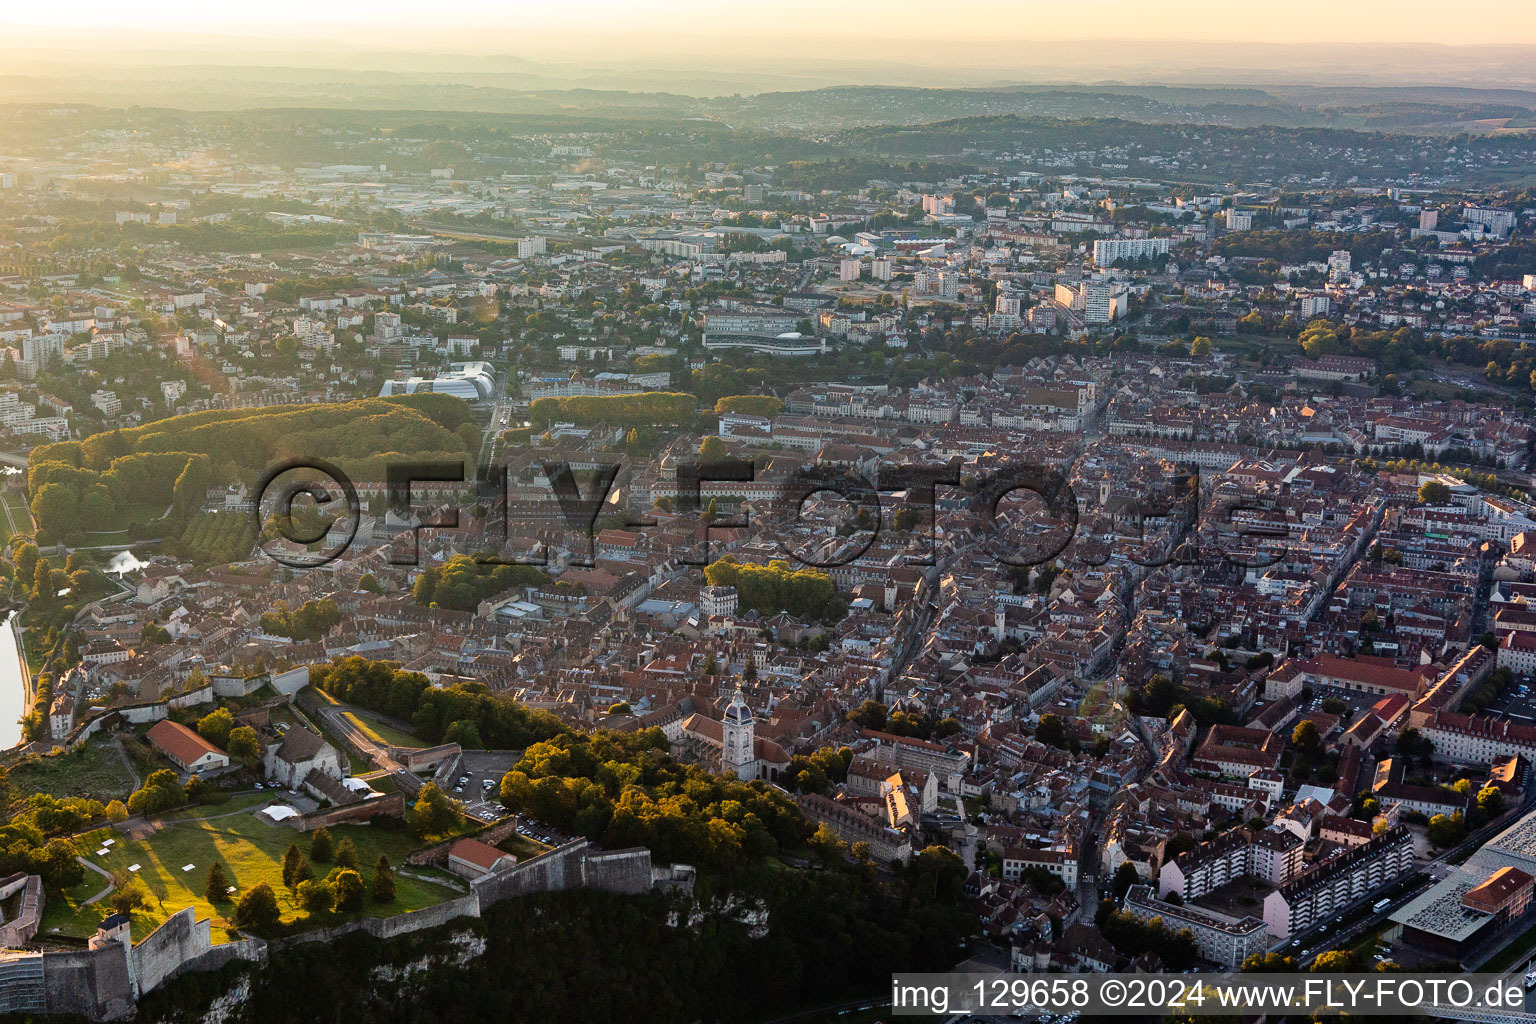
103	983
437	853
251	950
292	681
572	866
623	871
239	686
389	927
417	758
390	805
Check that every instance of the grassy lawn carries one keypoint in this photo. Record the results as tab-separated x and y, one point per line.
99	538
522	847
251	852
381	733
94	770
19	514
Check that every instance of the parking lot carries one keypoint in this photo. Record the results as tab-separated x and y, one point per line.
1357	703
1518	702
478	781
481	793
533	829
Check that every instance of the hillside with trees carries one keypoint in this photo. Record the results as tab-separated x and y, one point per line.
650	409
161	471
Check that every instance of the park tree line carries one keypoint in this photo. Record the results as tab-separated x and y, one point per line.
1131	936
310	621
778	587
649	409
466	714
463	582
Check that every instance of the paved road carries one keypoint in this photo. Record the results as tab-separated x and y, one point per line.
117	743
104	874
335	718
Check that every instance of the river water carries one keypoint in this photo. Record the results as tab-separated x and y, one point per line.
13	696
124	562
13	691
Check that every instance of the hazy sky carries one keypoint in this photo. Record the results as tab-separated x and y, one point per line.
543	25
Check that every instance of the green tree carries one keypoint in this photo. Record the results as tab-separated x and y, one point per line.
1051	731
1126	876
293	867
1335	961
1411	743
258	908
243	745
316	896
434	813
321	847
346	853
349	891
1491	801
383	887
1434	492
131	894
215	726
871	715
1445	831
1307	739
217	888
1269	963
56	509
161	791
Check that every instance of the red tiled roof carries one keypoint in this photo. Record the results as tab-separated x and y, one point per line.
1497	890
473	851
181	743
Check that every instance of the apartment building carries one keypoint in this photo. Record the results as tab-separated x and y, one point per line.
1221	939
1474	739
1273	855
1108	250
904	752
1061	863
1337	883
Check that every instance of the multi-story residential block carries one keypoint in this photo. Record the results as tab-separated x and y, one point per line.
1272	855
1111	250
1219	938
1337	883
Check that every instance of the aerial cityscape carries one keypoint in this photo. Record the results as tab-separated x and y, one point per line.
705	531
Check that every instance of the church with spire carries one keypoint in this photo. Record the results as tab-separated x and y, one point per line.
731	745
